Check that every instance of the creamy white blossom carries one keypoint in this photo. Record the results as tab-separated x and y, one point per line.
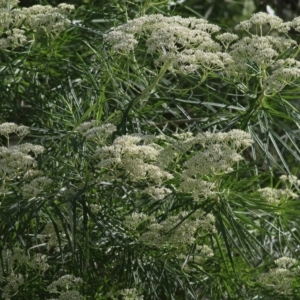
260	19
15	21
98	133
158	193
178	230
279	280
126	156
69	282
35	186
185	45
292	179
275	196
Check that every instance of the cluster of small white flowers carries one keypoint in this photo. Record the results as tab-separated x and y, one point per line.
67	282
39	263
14	281
28	147
92	132
32	174
158	193
9	4
262	19
8	128
215	159
274	196
12	261
177	230
259	55
134	220
279	279
14	38
35	187
130	294
84	127
126	156
236	139
197	187
295	24
14	21
210	154
285	262
69	295
291	179
14	162
219	152
284	72
204	250
261	51
227	38
185	44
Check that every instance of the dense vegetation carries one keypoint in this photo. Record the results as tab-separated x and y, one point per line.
149	150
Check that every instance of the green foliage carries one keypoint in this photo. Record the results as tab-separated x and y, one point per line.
150	156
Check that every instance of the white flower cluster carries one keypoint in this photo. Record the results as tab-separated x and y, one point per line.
8	128
17	160
126	294
132	160
14	21
279	279
35	187
66	287
134	220
10	268
14	281
130	294
261	19
157	193
201	254
14	161
275	196
210	154
291	179
142	158
175	231
184	44
260	54
93	132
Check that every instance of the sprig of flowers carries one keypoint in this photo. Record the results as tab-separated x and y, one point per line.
185	44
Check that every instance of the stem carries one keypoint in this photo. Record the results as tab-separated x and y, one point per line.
145	94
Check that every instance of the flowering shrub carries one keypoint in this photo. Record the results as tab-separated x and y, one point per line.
125	206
